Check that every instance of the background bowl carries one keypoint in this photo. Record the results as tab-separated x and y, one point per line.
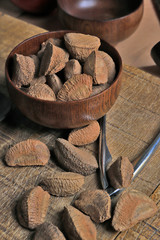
111	20
35	6
69	114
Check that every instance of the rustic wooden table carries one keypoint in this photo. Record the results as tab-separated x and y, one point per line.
132	124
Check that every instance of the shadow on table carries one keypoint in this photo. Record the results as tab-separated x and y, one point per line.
154	70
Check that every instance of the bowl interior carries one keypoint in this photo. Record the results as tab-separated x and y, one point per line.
100	10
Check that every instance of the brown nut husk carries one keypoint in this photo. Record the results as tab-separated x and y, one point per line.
76	88
120	173
48	231
99	88
96	67
96	204
32	208
55	41
72	67
85	135
62	184
74	159
24	70
132	207
77	225
81	45
53	60
37	64
54	82
42	91
28	153
110	65
38	80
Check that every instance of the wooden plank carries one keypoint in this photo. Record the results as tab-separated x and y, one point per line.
132	124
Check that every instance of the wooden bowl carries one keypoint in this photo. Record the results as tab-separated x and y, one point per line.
35	6
57	114
111	20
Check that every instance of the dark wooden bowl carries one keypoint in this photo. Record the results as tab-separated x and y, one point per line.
54	114
111	20
155	53
35	6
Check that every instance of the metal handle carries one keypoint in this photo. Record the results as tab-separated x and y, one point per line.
141	162
104	154
146	156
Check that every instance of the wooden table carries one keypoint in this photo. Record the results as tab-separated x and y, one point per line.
132	124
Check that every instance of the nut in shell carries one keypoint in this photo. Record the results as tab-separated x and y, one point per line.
76	88
96	204
37	63
74	159
54	82
96	67
132	207
48	231
42	91
120	173
53	60
85	135
96	89
24	70
27	153
77	225
32	208
55	41
72	67
62	183
81	45
38	80
110	65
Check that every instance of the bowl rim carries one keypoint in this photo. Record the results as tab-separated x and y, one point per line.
141	4
10	55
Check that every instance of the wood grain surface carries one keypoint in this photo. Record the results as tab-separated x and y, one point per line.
132	124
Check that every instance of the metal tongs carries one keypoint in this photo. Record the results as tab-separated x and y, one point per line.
105	158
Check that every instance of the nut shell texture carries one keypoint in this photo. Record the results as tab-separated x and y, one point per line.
53	59
27	153
75	88
96	204
32	208
72	67
74	159
48	231
85	135
81	45
120	173
63	183
24	70
131	208
110	65
54	82
42	91
96	67
77	225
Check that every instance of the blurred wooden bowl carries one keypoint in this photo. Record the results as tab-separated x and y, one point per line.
35	6
155	53
111	20
57	114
